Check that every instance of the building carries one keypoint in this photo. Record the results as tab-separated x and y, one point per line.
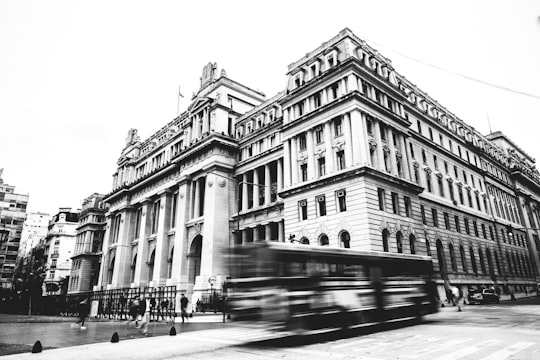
87	255
59	246
34	229
350	154
12	215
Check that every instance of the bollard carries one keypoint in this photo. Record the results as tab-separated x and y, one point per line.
114	338
37	348
173	331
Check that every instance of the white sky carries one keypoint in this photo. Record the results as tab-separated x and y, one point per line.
75	76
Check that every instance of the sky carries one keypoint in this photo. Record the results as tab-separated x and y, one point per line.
75	76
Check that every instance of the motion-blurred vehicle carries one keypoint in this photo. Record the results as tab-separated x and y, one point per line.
484	296
311	289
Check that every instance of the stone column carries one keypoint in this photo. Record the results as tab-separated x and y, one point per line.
324	97
348	149
281	231
162	239
255	234
244	236
244	192
310	154
268	232
390	142
141	268
121	274
352	82
267	185
379	149
329	151
196	198
294	162
179	273
205	121
359	138
255	188
405	157
286	164
279	167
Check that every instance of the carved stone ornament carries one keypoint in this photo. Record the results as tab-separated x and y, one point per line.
210	183
338	145
483	194
476	191
302	159
427	169
319	154
222	182
398	154
459	183
181	195
416	164
438	174
372	144
449	179
386	149
468	187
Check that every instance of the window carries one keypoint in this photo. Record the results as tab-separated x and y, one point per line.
321	164
408	210
382	129
323	240
463	258
446	221
321	204
456	221
428	182
424	157
484	234
428	248
467	229
302	207
155	216
435	162
319	135
340	155
450	146
303	172
423	212
302	141
412	150
338	130
345	240
412	244
419	125
473	260
441	140
399	242
441	186
382	198
174	202
395	203
430	134
369	125
435	217
115	229
475	228
138	217
452	257
385	235
341	200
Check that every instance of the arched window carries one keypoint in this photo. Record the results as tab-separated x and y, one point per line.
463	258
428	247
169	263
481	258
497	263
490	263
323	240
441	259
385	240
111	269
399	242
345	240
412	244
304	240
473	260
452	257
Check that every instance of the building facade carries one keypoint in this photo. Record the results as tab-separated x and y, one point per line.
89	240
34	230
351	154
59	246
12	215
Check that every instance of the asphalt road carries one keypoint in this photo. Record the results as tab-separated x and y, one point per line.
510	330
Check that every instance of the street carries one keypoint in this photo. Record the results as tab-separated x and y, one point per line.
499	331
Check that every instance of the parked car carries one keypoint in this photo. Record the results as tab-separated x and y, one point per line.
484	296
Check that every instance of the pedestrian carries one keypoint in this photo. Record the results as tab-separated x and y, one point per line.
163	306
456	297
144	310
183	306
133	312
83	310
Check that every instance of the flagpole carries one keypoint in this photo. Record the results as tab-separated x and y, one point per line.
178	102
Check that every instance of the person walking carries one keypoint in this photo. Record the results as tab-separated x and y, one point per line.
84	310
183	306
456	297
144	310
134	305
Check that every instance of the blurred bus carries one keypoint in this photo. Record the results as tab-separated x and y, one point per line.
305	288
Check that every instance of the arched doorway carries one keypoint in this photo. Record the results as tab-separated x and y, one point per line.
441	259
194	259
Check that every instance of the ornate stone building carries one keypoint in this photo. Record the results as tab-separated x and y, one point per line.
350	154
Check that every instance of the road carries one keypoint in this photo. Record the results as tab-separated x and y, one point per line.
508	330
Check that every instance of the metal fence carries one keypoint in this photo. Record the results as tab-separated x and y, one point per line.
114	304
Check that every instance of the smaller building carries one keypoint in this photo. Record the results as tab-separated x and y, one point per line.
12	215
34	229
86	259
59	248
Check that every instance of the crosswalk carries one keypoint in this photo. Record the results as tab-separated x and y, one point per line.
377	346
